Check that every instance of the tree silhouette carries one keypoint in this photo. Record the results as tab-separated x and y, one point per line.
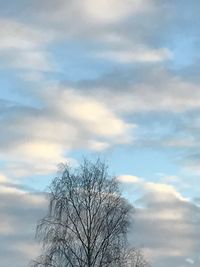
87	220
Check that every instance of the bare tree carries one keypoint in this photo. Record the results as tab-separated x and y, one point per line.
133	258
87	220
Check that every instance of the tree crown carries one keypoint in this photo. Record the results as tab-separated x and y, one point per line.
87	219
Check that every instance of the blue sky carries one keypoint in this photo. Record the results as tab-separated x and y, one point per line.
117	79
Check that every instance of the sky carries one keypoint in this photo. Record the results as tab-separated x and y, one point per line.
116	79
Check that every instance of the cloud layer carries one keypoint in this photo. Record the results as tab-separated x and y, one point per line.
165	225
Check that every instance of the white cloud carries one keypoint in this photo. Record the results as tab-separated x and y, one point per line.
114	10
189	260
16	35
3	178
163	190
98	146
101	12
38	150
96	116
4	189
90	114
38	139
24	46
137	55
129	179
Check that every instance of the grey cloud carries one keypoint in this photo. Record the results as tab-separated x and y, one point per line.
159	24
154	25
24	46
145	89
167	230
137	23
19	215
165	226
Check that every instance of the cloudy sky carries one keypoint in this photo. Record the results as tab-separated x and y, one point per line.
112	78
